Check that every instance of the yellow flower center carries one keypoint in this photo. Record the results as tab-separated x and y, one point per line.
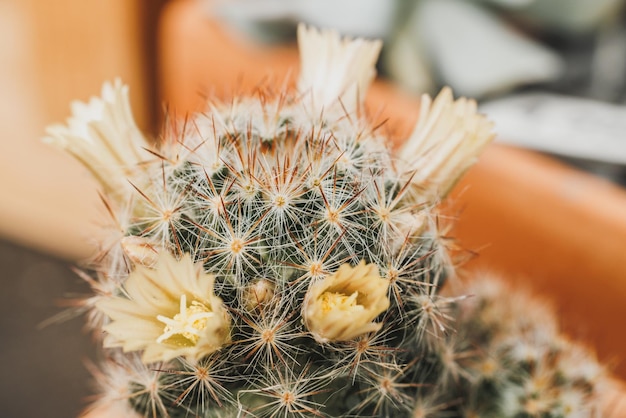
185	327
339	301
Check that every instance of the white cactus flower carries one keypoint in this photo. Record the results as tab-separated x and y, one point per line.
170	311
447	140
335	73
104	137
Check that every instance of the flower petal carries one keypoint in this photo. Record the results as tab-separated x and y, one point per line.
103	136
446	141
335	72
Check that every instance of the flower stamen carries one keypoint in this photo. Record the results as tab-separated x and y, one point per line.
188	323
331	301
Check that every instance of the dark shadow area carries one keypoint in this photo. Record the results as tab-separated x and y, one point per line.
42	370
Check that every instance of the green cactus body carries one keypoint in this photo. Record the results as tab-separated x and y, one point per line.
290	208
278	259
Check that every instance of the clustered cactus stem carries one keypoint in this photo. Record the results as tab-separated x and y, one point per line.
273	257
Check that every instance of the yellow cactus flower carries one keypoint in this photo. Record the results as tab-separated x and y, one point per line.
343	305
169	311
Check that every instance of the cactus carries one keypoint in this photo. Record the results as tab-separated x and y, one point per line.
273	256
